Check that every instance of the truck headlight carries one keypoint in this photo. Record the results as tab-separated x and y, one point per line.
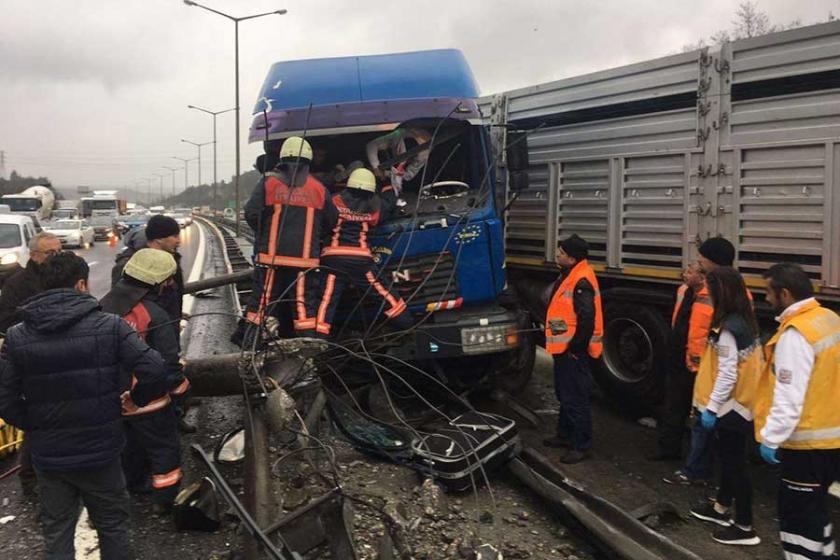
492	338
9	258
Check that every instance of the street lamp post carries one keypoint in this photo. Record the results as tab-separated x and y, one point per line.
173	170
199	146
213	114
186	169
160	176
235	21
149	187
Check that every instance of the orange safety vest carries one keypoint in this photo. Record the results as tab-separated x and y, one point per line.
562	307
699	323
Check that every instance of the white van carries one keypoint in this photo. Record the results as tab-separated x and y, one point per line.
15	233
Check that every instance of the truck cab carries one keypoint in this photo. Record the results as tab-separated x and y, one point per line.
442	248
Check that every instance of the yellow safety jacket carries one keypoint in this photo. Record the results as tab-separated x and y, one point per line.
749	371
562	307
819	425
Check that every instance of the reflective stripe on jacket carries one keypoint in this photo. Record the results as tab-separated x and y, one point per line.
819	424
139	319
562	308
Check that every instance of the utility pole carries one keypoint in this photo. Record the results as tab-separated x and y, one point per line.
235	21
2	164
199	146
160	176
213	114
186	169
173	170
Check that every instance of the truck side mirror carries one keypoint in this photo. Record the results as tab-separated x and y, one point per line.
516	151
517	180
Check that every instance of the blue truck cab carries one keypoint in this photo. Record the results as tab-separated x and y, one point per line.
443	250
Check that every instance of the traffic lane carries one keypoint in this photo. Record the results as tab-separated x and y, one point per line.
100	258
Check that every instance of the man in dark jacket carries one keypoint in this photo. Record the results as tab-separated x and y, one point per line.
60	381
21	286
153	447
26	282
164	233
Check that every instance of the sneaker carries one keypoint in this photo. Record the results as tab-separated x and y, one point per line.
679	478
736	535
707	512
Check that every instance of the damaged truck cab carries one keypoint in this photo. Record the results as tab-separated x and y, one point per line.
442	248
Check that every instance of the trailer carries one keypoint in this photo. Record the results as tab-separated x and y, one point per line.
648	160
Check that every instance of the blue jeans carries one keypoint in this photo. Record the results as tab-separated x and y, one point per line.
573	388
698	465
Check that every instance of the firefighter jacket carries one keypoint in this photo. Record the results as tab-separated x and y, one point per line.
139	306
819	421
289	222
61	379
699	322
567	312
729	370
358	214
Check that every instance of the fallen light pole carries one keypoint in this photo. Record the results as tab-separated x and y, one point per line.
217	281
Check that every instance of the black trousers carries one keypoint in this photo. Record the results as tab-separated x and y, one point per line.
153	450
679	389
292	295
804	522
358	271
733	434
102	491
573	389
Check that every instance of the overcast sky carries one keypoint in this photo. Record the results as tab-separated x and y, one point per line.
95	92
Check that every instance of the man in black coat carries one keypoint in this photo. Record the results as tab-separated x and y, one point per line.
61	375
26	282
164	233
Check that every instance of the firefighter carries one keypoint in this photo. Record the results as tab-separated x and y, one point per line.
153	444
289	211
797	417
573	334
346	255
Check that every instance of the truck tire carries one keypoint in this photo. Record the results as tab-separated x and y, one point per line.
631	370
516	372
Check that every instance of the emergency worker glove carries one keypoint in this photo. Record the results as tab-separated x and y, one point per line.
708	420
768	454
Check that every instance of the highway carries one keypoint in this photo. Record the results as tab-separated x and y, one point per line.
101	256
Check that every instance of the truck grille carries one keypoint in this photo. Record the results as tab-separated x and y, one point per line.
433	274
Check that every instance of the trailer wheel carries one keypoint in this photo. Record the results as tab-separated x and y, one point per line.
632	369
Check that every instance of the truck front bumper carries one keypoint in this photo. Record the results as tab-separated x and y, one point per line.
470	331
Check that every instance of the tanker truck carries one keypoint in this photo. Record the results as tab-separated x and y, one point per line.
37	201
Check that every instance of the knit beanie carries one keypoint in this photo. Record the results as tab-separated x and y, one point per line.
160	226
718	250
575	246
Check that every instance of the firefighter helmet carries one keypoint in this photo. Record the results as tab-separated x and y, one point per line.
296	147
150	266
362	179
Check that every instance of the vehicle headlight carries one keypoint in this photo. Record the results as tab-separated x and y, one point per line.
9	258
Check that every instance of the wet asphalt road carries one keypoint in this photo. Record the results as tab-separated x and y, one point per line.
101	256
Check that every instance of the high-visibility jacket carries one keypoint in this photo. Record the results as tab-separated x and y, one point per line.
819	424
562	308
699	323
291	221
356	218
750	364
139	319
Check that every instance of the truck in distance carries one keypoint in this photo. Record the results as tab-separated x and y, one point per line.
37	202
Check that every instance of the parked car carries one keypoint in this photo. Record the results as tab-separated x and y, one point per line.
73	233
15	233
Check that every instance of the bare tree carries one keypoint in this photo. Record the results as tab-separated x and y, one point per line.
750	21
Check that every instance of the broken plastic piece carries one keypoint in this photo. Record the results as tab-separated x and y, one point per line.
196	507
231	448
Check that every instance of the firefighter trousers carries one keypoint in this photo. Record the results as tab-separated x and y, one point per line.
804	521
291	295
153	450
339	272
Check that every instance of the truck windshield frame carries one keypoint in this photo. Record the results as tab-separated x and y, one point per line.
20	204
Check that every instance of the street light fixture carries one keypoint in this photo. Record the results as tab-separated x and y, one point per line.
186	169
173	170
235	21
199	146
213	114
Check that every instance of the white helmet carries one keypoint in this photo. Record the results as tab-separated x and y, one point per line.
362	179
